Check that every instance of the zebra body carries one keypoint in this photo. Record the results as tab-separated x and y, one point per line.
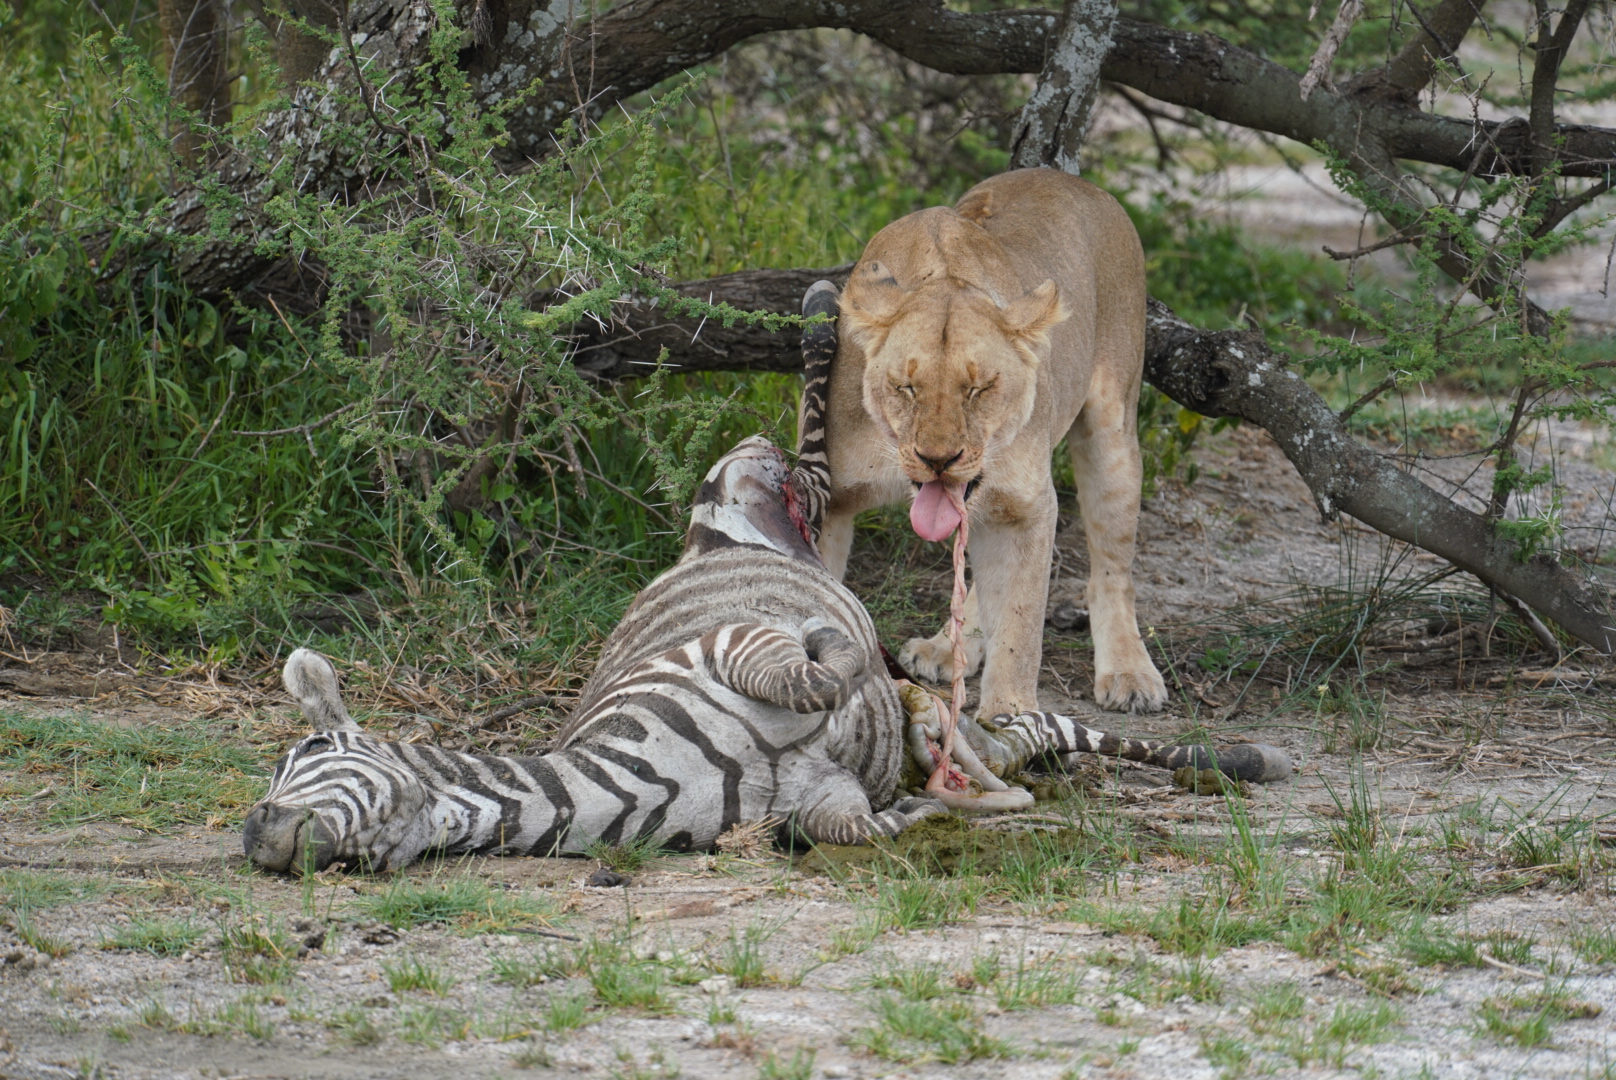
744	683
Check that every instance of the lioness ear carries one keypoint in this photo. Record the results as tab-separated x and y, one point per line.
870	306
1029	319
977	205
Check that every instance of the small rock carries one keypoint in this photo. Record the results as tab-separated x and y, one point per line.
310	934
1069	615
378	934
992	937
718	984
608	879
507	939
835	1072
380	1001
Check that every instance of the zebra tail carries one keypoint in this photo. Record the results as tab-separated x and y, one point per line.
811	478
311	679
1257	762
1009	743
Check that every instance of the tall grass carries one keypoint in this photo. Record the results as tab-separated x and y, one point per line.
133	455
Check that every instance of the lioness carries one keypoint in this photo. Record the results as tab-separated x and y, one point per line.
973	338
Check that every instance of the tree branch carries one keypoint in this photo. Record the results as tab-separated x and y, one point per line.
1414	66
1227	373
1055	120
537	51
1318	71
1550	52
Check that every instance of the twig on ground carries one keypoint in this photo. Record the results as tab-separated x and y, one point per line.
1493	961
511	710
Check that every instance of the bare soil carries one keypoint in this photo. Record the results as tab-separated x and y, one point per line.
1450	726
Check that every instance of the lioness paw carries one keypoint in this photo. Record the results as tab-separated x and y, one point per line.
932	659
1130	691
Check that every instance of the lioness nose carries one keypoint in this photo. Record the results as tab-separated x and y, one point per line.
939	462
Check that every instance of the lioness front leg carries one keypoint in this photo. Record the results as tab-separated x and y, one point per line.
1105	460
932	659
1010	566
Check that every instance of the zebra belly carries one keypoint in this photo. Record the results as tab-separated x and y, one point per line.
681	765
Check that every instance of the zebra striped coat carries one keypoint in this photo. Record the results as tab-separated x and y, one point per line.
744	683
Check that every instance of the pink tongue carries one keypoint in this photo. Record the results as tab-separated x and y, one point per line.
932	514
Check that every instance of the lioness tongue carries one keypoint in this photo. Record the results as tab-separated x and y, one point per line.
932	514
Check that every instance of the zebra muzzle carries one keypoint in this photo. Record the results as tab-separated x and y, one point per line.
287	839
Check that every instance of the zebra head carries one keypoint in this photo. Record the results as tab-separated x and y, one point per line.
747	500
339	795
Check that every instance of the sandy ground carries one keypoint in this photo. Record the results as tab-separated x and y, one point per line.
1494	735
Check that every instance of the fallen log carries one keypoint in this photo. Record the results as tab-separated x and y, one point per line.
1214	373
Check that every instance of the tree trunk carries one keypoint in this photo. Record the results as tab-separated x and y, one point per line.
196	39
1055	121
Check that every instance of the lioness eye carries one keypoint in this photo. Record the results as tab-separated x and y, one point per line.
906	390
970	395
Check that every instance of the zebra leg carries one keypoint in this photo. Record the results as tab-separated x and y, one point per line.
311	679
1009	743
837	811
806	676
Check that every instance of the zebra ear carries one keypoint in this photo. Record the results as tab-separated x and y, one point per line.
311	679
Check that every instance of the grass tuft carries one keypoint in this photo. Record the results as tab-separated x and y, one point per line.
917	903
160	937
412	973
431	1026
468	904
912	1032
774	1067
356	1027
258	950
919	983
626	858
1528	1019
148	776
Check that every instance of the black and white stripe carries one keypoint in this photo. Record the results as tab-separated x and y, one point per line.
744	683
810	481
1006	744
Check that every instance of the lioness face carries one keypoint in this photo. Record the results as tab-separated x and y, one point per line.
950	375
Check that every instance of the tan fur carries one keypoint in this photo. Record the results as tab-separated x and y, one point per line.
973	339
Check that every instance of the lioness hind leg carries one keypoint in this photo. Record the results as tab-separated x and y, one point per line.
932	659
1105	461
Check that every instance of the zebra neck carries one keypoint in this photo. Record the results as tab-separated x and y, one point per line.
486	803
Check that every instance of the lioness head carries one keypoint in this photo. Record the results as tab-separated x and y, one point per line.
949	372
